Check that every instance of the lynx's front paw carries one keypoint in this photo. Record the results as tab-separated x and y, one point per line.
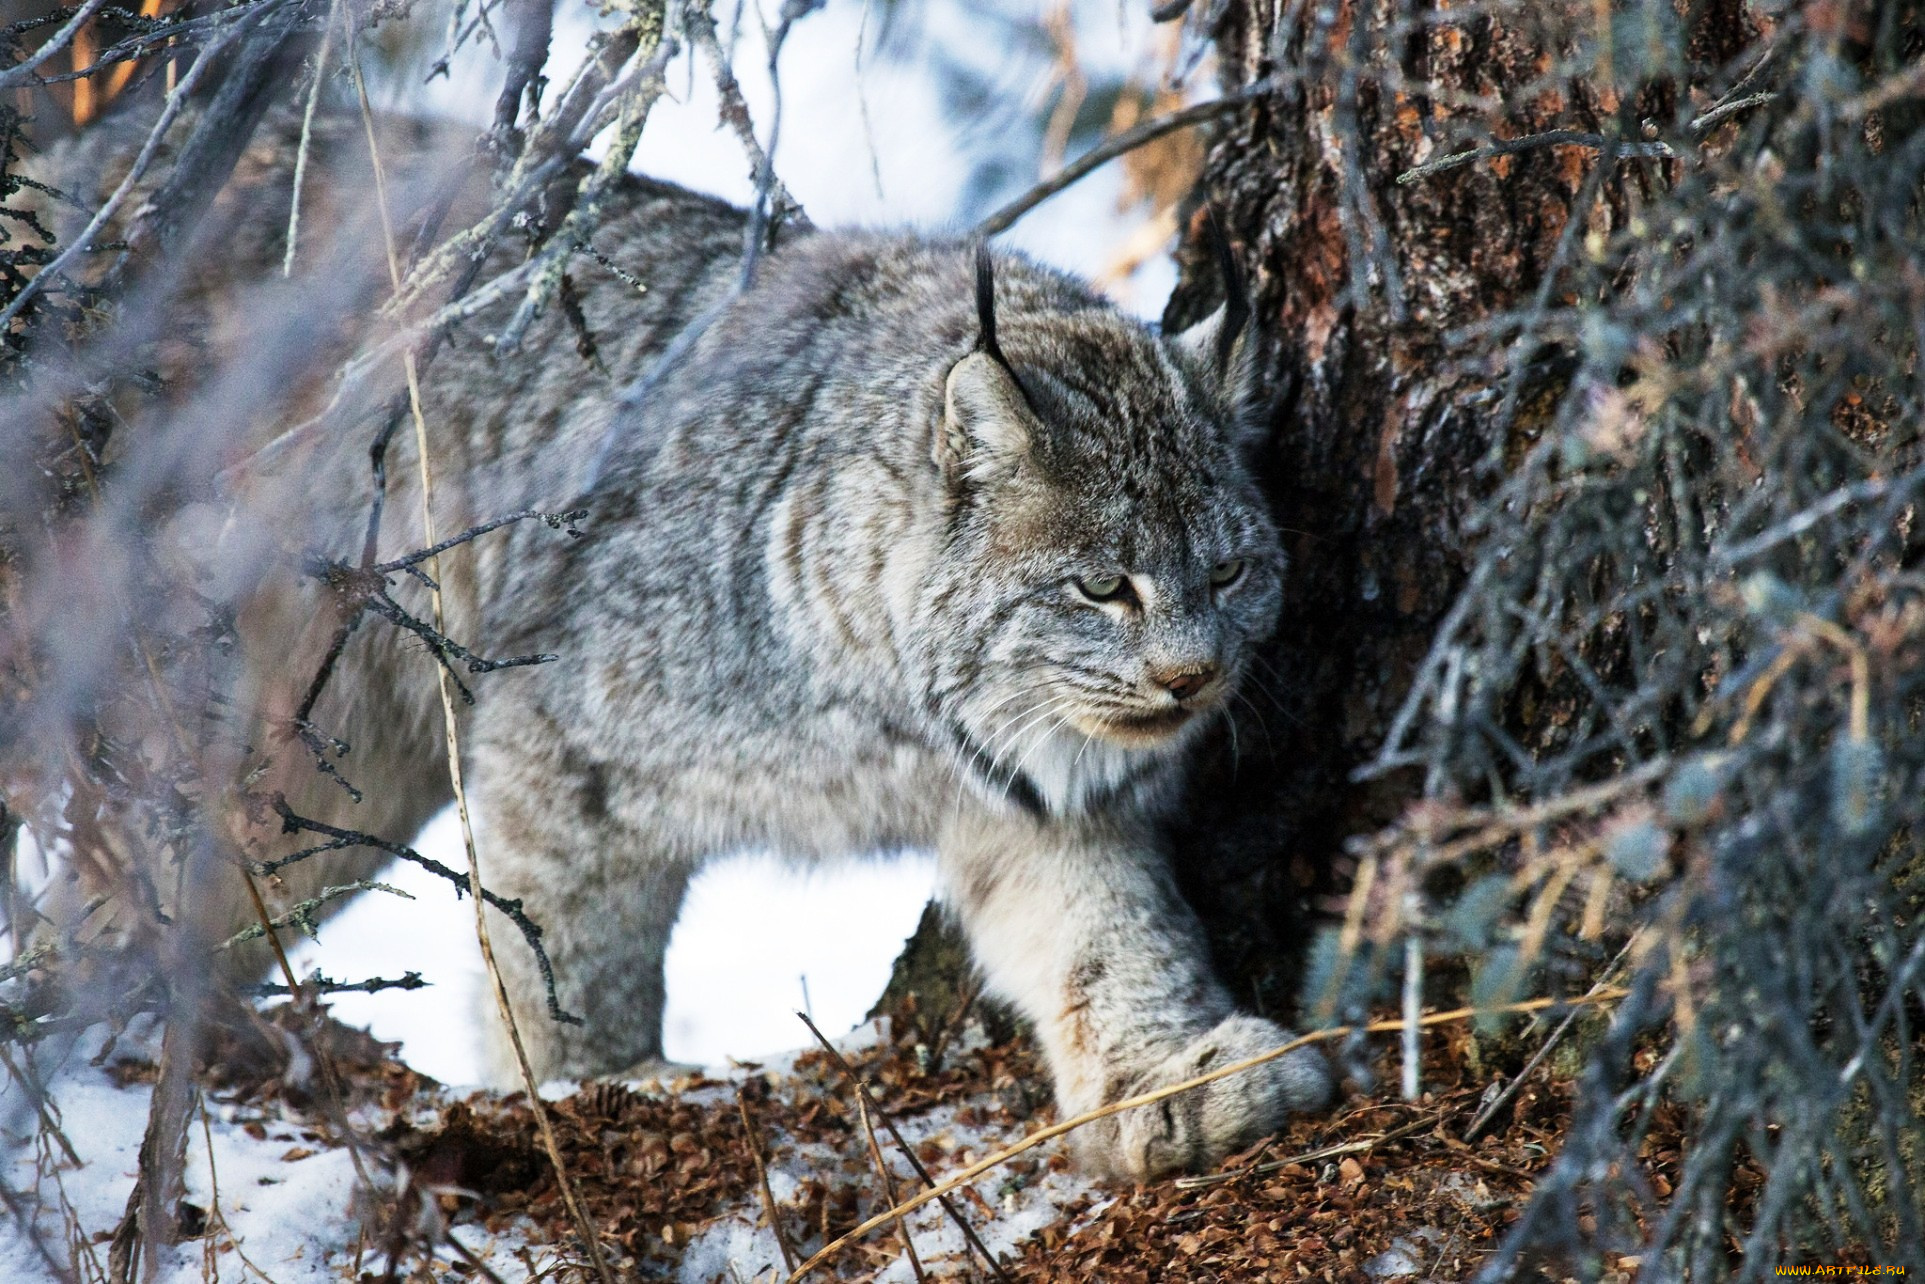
1194	1129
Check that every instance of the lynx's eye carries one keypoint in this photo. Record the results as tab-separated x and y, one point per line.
1103	588
1224	574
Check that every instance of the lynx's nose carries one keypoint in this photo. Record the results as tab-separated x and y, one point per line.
1185	683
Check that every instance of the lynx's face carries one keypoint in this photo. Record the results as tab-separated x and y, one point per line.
1113	565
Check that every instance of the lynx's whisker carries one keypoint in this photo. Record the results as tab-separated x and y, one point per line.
984	752
1041	712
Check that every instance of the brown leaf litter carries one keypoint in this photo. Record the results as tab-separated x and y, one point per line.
1378	1190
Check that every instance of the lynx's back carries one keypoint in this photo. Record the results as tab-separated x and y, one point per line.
248	362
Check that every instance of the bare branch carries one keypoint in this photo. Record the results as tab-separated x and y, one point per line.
1529	143
21	73
345	838
1129	140
321	984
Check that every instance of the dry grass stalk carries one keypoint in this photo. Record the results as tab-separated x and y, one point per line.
584	1228
970	1173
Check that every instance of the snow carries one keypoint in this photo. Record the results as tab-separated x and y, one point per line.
748	948
734	1246
761	938
290	1217
1406	1255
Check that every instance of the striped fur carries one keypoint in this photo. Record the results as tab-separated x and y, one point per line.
827	603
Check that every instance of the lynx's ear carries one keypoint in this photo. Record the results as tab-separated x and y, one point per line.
1221	344
987	422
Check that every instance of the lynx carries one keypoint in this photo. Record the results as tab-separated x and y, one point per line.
917	545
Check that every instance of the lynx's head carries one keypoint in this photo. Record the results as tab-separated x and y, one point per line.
1110	564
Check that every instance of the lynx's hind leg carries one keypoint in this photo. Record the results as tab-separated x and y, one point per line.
1079	924
605	897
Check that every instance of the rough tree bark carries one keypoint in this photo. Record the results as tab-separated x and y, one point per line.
1385	438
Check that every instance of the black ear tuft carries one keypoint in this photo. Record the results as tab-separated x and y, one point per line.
986	316
986	306
1236	301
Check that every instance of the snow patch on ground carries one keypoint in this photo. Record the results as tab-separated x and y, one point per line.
1004	1207
281	1202
738	1246
286	1199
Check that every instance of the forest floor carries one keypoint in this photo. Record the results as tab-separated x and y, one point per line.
1378	1189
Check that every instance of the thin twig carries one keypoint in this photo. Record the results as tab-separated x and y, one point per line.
335	1098
973	1171
30	1228
1725	111
1129	140
1531	142
215	1216
1495	1104
613	268
554	521
1744	82
1792	527
762	1183
320	984
307	134
888	1186
862	103
908	1152
37	1093
302	915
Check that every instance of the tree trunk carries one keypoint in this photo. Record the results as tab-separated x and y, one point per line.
1385	436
